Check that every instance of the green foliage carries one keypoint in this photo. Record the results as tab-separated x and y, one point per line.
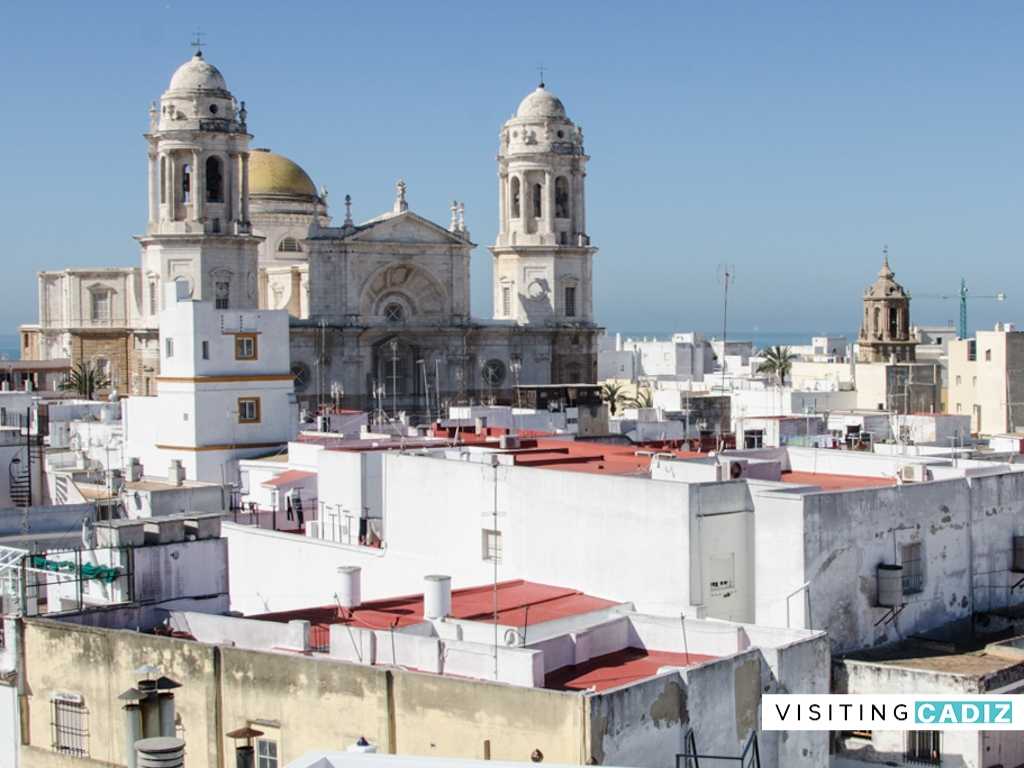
85	379
778	362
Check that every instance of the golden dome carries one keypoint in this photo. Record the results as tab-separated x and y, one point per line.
273	174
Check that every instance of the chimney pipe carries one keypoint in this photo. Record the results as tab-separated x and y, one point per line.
160	752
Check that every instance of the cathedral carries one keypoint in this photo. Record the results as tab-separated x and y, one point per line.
380	309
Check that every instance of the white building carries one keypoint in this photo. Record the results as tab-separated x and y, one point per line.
225	390
683	357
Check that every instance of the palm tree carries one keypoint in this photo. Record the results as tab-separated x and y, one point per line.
778	362
614	394
642	399
84	379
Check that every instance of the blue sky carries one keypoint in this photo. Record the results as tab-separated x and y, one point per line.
792	139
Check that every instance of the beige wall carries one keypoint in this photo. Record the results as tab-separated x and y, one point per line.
315	703
991	387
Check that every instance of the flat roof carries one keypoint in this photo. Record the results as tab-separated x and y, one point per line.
289	477
520	603
619	668
594	458
831	482
932	657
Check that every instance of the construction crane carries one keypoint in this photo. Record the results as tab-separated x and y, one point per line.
962	295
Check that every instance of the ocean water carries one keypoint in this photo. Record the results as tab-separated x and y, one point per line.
9	346
761	339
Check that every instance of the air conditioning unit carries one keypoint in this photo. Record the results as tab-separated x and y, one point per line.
732	469
915	473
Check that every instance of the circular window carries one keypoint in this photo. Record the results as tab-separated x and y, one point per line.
300	375
561	134
213	109
394	313
493	373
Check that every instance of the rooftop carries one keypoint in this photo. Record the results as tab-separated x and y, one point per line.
918	654
829	482
519	603
619	668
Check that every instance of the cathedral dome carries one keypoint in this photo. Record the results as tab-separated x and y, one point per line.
885	286
196	74
276	175
541	103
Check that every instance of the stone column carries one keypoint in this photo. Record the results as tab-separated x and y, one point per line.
154	190
549	202
231	170
583	203
503	203
172	187
198	187
244	213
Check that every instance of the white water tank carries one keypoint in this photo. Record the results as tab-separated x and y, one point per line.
890	585
437	596
1018	554
349	586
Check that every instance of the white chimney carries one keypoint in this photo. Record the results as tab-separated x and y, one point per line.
349	587
176	472
160	752
437	597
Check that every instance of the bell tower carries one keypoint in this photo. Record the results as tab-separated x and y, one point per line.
199	229
885	327
542	256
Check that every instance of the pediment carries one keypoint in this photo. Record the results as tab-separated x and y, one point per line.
408	228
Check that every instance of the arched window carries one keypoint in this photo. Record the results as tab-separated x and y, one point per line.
515	197
894	322
163	179
186	183
214	180
561	198
289	245
394	313
878	321
537	192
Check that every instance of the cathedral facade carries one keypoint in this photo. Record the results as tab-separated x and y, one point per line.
380	309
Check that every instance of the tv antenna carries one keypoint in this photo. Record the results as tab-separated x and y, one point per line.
726	276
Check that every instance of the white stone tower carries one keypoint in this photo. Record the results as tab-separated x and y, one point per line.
199	229
542	257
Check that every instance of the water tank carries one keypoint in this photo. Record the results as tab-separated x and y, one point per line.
349	586
890	586
1018	554
437	596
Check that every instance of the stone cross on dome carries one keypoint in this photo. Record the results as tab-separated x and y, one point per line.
197	43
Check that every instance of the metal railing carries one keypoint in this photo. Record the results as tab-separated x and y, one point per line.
749	757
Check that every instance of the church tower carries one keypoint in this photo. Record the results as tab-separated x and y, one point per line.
542	257
199	230
885	328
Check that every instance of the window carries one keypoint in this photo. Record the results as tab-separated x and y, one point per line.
958	381
100	306
491	544
958	408
70	724
506	301
913	568
570	301
493	373
514	195
221	292
214	180
153	306
923	747
289	245
561	198
248	410
988	355
169	347
394	313
538	192
245	346
206	350
266	753
974	381
186	183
